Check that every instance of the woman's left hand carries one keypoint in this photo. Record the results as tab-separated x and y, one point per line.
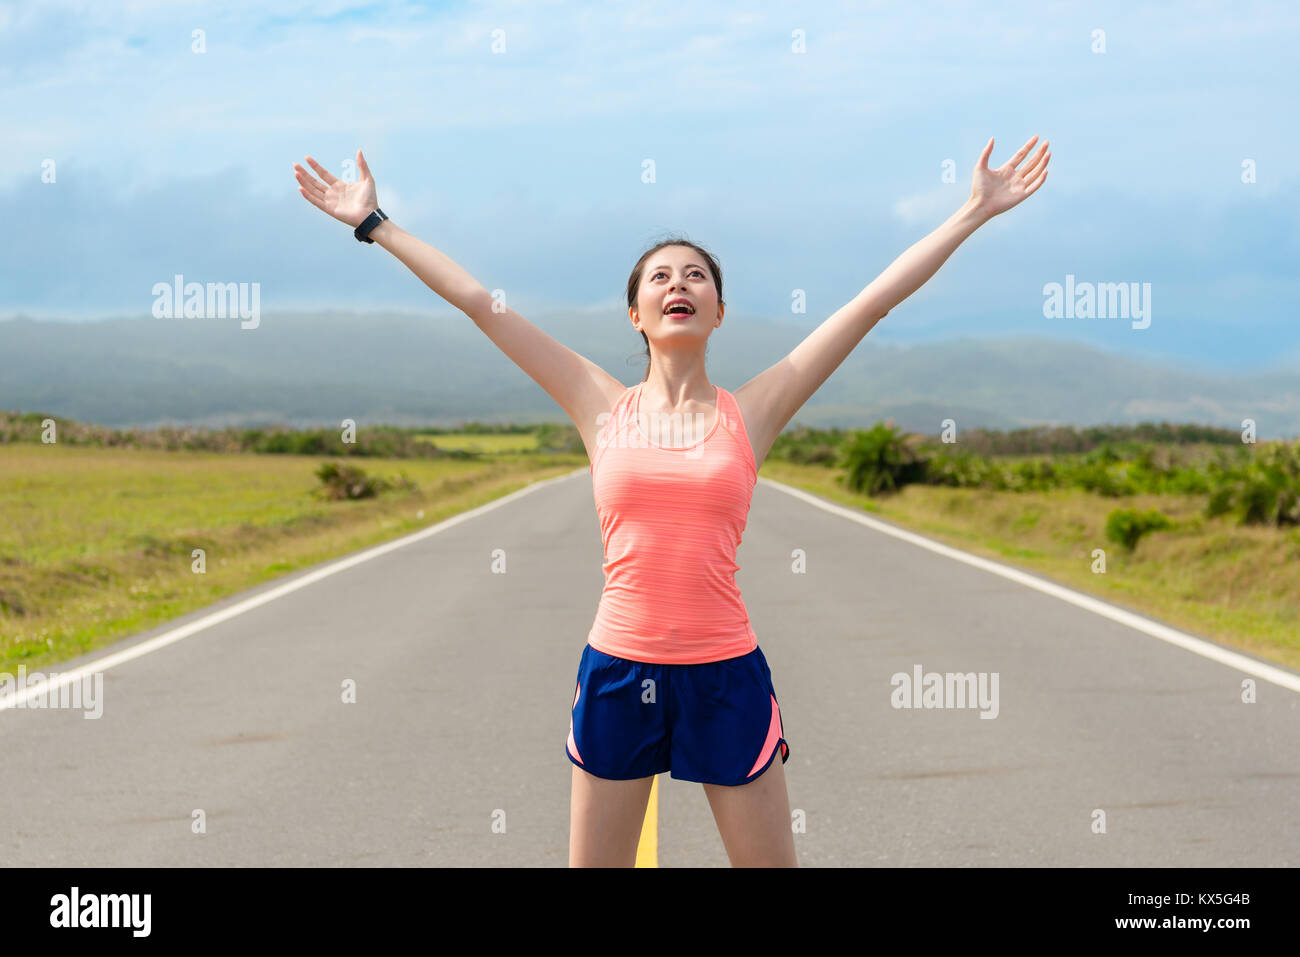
997	190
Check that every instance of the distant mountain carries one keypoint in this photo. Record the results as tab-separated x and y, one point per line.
318	368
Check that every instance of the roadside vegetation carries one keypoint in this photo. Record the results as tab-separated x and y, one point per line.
1198	529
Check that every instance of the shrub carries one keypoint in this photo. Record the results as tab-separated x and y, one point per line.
1127	525
961	470
1105	479
881	460
349	482
1031	475
1186	481
1220	501
1262	491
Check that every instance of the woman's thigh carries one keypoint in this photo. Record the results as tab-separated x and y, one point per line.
754	820
605	819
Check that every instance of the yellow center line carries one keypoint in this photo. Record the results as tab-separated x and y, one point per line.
647	851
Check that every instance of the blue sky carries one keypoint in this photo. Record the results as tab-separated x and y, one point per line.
807	170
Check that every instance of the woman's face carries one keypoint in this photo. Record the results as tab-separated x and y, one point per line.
677	278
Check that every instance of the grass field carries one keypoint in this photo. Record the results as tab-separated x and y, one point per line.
96	544
494	443
1238	585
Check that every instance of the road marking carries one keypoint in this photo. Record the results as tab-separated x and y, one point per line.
1200	646
647	851
12	699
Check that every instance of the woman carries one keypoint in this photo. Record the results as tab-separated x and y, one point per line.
671	678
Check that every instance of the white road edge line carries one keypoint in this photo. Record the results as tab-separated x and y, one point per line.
12	700
1182	639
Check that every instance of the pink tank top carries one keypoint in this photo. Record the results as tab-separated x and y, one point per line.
671	518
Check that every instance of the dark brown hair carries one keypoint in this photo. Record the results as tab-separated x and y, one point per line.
634	281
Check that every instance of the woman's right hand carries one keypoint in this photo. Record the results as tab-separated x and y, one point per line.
349	203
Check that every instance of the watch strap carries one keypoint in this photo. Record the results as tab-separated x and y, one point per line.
362	232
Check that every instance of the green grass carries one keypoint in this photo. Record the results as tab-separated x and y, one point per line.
96	544
1238	585
492	443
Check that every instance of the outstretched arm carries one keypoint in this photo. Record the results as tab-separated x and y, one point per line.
580	387
770	399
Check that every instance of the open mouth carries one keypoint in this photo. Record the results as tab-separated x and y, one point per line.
679	309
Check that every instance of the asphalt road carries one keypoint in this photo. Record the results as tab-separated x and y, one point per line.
453	752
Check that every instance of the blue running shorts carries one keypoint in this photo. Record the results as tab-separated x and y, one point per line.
715	723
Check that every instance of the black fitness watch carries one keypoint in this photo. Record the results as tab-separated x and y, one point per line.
362	232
